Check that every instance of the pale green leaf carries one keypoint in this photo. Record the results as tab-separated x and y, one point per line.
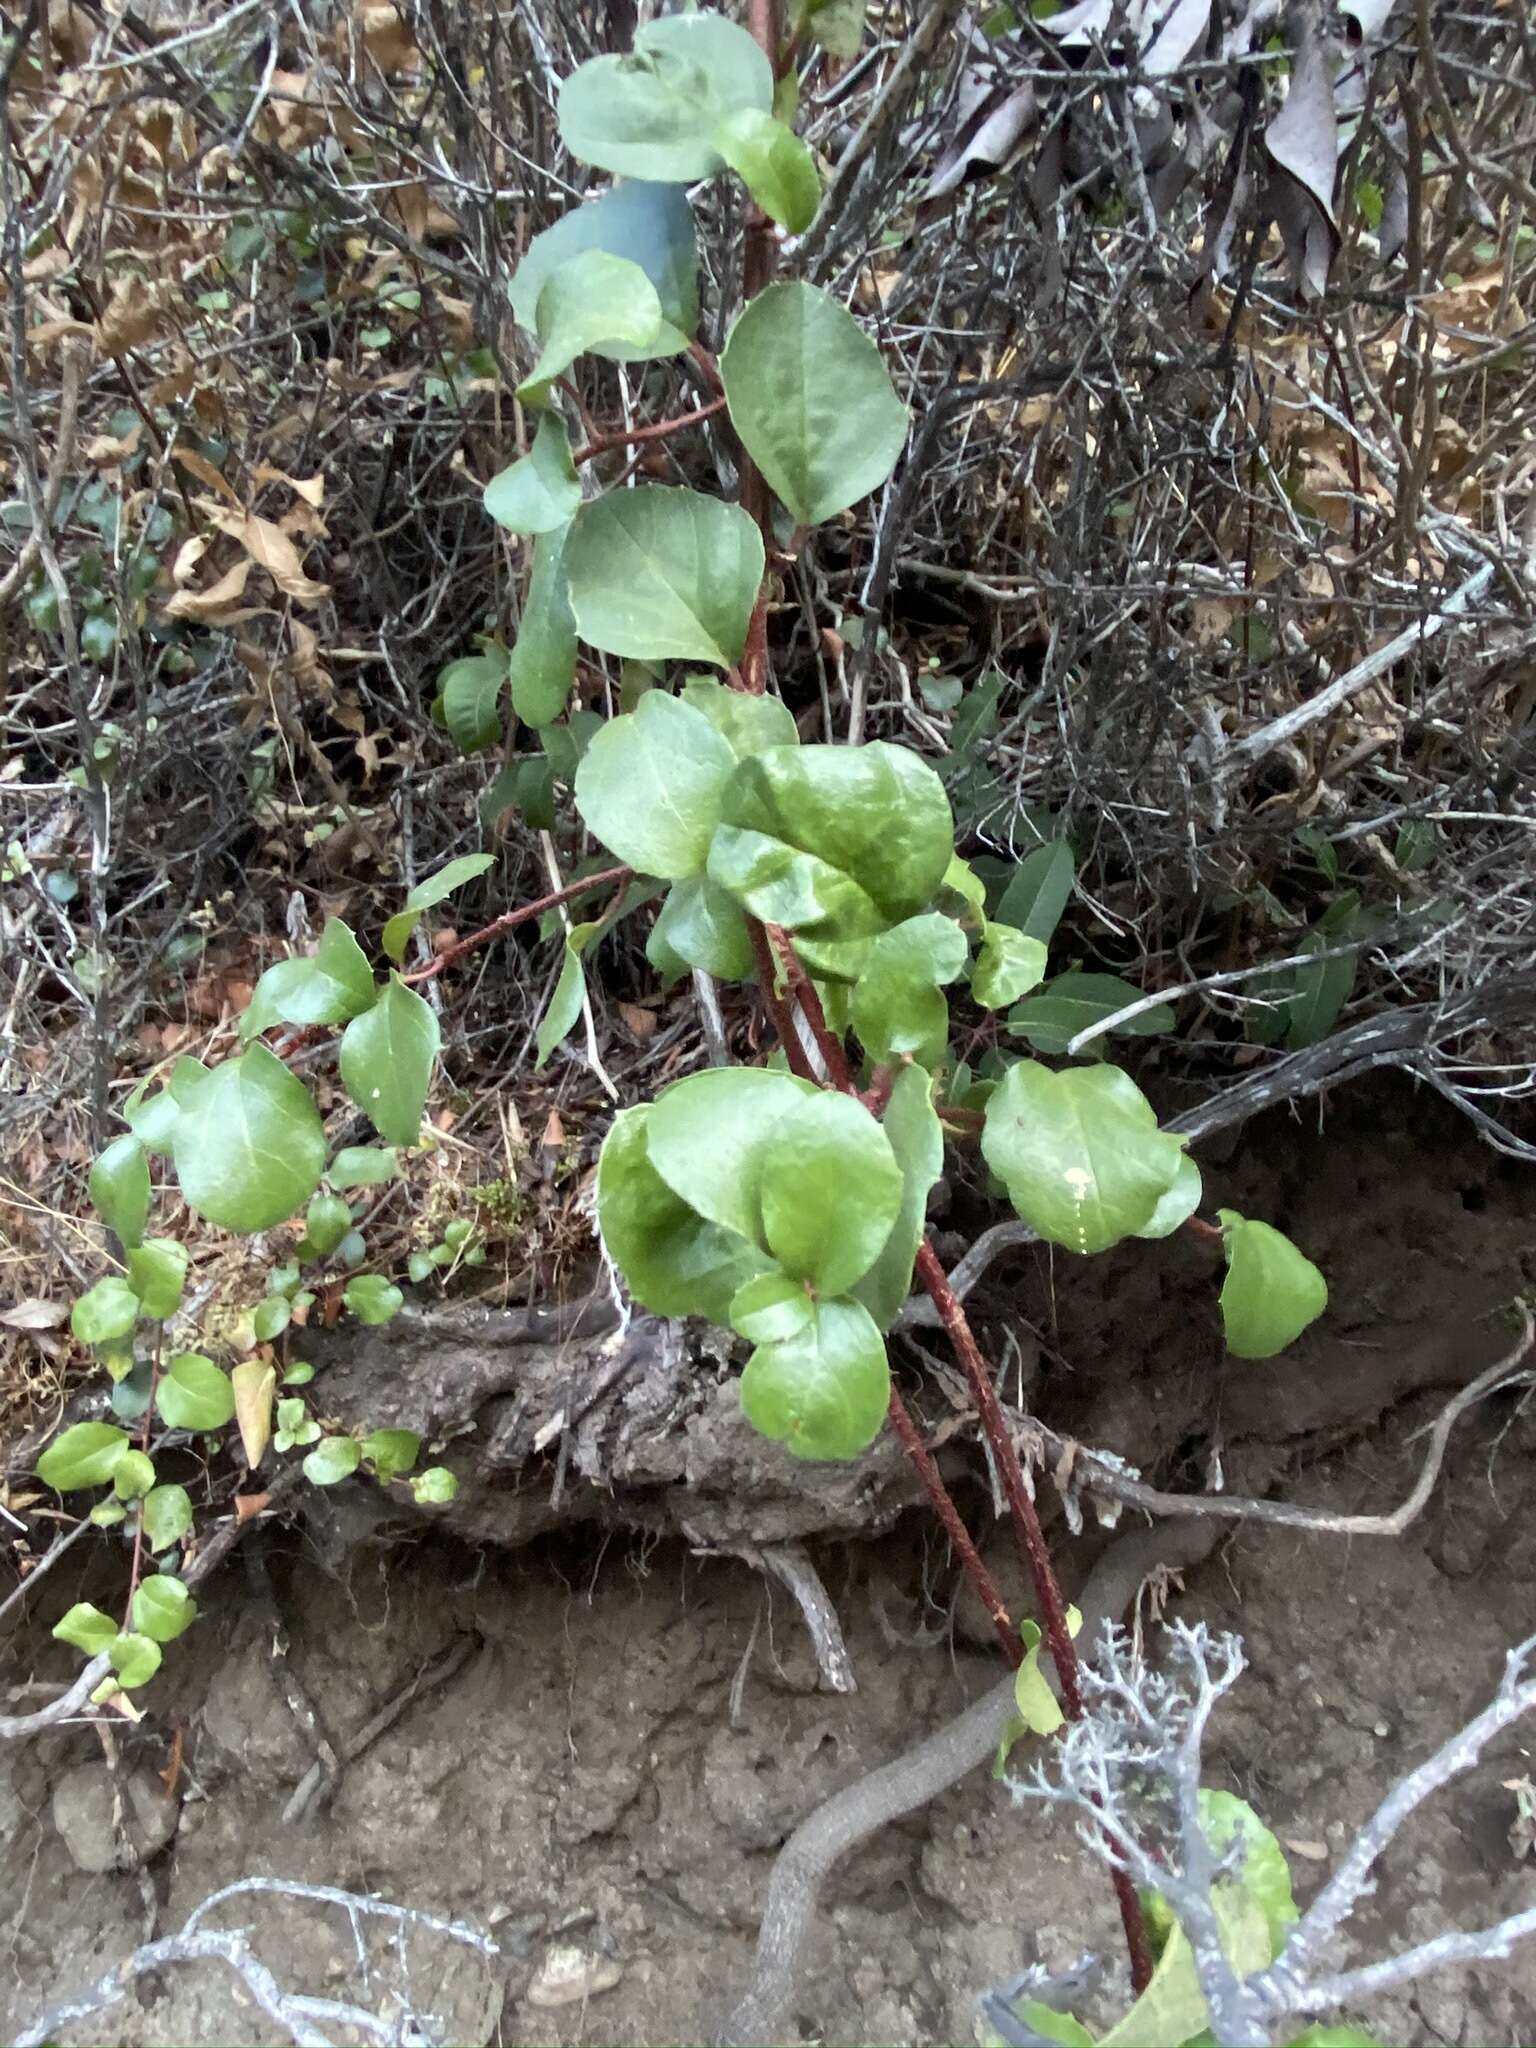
1009	964
650	224
372	1298
328	987
812	400
387	1056
469	691
392	1452
593	297
654	113
1177	1205
337	1458
540	491
1272	1291
748	723
86	1628
133	1475
434	1487
135	1659
824	1392
838	25
157	1272
119	1188
362	1166
709	1135
649	786
193	1393
830	1190
664	573
163	1609
167	1513
774	165
105	1312
565	1003
771	1308
912	1126
898	1009
251	1147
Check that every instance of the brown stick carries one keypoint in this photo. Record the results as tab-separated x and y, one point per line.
509	918
942	1503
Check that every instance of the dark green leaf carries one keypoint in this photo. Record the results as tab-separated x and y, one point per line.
1074	1002
362	1166
194	1394
650	784
119	1188
653	114
251	1148
1271	1292
543	661
85	1455
1079	1152
328	1218
1039	891
386	1061
1319	992
327	988
392	1452
912	1126
470	692
565	1003
774	165
540	491
812	400
663	573
709	1135
830	1190
650	224
824	1392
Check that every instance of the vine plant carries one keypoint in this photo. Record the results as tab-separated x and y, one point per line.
785	1202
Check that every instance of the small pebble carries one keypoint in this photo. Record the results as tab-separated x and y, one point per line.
568	1976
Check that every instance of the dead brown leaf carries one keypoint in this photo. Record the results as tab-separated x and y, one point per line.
209	605
271	549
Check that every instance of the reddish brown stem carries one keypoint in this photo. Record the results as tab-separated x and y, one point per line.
509	918
1212	1232
778	1009
804	991
943	1506
624	437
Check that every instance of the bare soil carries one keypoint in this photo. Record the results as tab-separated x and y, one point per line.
638	1725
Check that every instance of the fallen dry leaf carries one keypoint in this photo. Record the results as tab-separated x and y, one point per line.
216	599
33	1314
271	549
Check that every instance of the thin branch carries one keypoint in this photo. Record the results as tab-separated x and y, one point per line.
509	918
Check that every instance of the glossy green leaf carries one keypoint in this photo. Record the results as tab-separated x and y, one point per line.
251	1148
372	1298
897	1005
85	1455
326	1222
540	491
271	1318
674	1262
1075	1001
824	1392
86	1628
153	1118
812	400
649	786
167	1513
1009	964
1271	1292
392	1452
830	1190
1039	891
1079	1152
771	1308
157	1272
650	224
163	1609
663	573
709	1135
434	1487
105	1312
135	1659
1323	2036
119	1188
774	165
911	1124
133	1475
1052	2025
653	114
594	296
543	660
700	926
1177	1205
469	691
565	1003
328	987
194	1393
362	1166
331	1461
833	842
435	889
746	722
387	1056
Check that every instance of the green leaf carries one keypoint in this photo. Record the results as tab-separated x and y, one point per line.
700	926
153	1118
135	1659
167	1513
435	889
747	723
387	1056
337	1458
194	1394
327	988
540	491
664	573
812	400
543	660
1080	1153
1336	2037
362	1166
133	1475
1039	890
469	691
271	1318
649	786
372	1298
771	1308
774	165
651	225
1264	1873
593	297
163	1609
824	1392
674	1262
565	1003
830	1191
392	1452
1319	992
1075	1001
1036	1704
119	1188
654	114
709	1135
326	1222
1009	964
1055	2026
434	1487
833	842
86	1628
1271	1292
897	1007
1173	2008
912	1126
104	1312
157	1272
251	1146
1178	1205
